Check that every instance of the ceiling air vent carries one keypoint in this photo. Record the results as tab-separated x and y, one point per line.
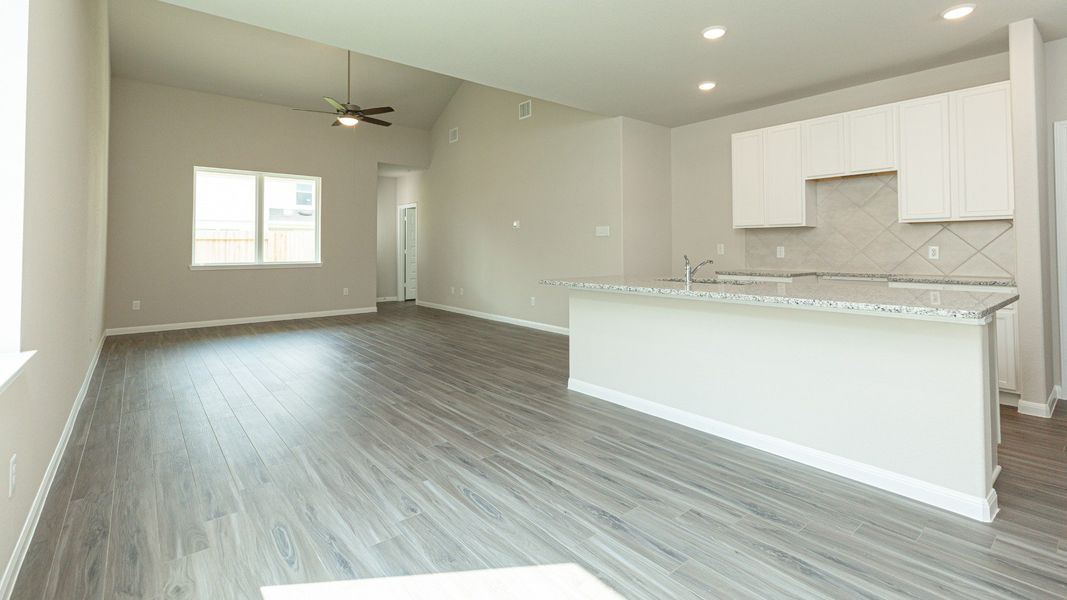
453	135
525	109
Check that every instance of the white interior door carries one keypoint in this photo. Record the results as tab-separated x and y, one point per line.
411	257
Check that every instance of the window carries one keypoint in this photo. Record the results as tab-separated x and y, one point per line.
250	219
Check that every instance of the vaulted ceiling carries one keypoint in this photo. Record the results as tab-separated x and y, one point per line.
161	43
644	58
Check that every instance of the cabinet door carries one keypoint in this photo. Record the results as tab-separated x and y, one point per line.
783	176
924	187
1007	350
984	186
824	146
747	183
872	139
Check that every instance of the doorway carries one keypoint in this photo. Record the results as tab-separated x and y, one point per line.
407	276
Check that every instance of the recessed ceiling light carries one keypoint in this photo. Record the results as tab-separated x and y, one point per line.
714	32
958	12
707	86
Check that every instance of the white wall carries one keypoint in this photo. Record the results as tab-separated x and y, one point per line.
64	233
558	173
152	198
646	198
1033	213
700	152
1056	107
387	200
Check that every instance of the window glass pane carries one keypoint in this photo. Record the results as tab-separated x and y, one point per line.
289	207
225	218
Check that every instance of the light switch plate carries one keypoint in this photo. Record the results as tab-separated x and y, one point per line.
780	252
603	230
720	249
515	224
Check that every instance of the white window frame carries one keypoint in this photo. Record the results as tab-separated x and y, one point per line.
260	223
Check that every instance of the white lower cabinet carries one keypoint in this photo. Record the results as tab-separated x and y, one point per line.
1007	348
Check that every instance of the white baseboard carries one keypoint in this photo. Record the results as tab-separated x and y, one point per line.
500	318
975	507
1040	409
238	321
22	545
387	299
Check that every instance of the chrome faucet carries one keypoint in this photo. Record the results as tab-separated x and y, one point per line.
691	270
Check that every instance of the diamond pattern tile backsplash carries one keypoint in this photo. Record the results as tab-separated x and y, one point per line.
858	232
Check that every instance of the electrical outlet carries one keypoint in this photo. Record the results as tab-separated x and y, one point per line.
136	305
602	231
344	291
933	252
720	249
460	291
935	298
780	252
452	290
533	301
12	472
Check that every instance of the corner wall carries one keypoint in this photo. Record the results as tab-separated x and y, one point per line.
151	204
387	201
63	244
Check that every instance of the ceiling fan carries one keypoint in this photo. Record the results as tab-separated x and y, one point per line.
348	114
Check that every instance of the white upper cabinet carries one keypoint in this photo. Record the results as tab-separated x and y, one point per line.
872	139
747	154
783	177
956	156
923	184
952	153
768	179
984	186
824	146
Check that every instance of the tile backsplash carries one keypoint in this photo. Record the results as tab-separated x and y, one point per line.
858	232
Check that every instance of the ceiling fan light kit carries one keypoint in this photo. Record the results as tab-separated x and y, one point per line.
348	114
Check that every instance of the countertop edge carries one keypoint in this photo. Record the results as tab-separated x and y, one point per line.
865	308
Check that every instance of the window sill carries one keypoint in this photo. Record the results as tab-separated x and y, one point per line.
11	364
254	266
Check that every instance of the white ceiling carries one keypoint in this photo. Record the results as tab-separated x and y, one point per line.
169	45
644	58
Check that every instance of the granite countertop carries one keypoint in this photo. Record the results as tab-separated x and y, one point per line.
896	277
868	297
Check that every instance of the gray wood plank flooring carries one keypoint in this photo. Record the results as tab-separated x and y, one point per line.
207	463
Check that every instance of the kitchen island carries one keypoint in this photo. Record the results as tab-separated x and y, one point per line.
892	386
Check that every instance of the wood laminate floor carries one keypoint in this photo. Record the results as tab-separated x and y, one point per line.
206	463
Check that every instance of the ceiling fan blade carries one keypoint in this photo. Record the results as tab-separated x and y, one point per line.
335	123
321	112
335	104
375	121
377	111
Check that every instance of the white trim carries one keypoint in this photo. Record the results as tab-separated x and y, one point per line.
238	321
387	299
232	266
401	264
1040	409
499	318
1059	160
11	364
29	527
975	507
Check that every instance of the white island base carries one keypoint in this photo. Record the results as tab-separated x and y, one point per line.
901	403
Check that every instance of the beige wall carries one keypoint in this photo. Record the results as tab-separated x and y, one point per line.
1033	212
151	199
700	153
387	200
62	295
646	198
558	173
1056	106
